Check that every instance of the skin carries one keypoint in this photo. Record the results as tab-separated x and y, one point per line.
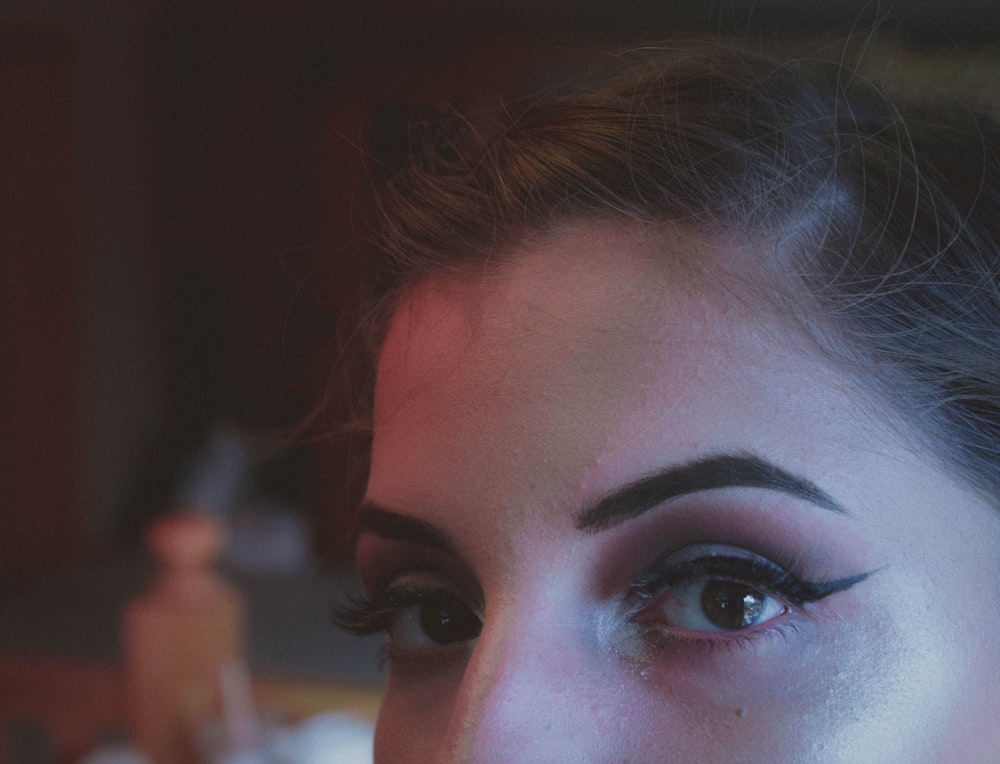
511	398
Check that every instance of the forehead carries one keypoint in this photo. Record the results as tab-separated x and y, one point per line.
601	347
552	316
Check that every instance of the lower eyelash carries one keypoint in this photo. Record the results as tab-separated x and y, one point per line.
711	642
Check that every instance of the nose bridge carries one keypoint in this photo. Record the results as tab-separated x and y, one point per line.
531	691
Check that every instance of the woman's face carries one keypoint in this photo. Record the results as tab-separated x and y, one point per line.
616	512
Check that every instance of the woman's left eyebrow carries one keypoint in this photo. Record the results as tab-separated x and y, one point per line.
723	471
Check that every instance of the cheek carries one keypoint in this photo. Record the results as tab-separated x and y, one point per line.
415	717
845	688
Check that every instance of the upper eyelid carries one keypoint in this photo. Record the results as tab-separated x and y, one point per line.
382	557
665	572
405	595
441	582
696	567
791	559
794	589
699	552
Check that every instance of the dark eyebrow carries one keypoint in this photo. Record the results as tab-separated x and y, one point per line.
725	471
391	525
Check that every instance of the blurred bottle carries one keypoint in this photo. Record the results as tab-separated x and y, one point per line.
178	637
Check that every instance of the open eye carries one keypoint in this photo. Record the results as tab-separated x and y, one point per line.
716	588
714	604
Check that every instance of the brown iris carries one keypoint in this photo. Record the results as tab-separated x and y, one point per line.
731	605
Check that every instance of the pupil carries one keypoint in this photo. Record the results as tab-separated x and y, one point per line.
446	622
730	605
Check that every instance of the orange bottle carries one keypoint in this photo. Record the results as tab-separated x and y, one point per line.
177	638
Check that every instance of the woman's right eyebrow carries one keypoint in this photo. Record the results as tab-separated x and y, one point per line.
392	525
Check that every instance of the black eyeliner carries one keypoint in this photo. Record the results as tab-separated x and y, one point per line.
756	573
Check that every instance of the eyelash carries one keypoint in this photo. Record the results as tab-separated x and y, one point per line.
758	573
365	616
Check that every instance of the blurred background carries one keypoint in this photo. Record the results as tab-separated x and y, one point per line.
183	189
183	196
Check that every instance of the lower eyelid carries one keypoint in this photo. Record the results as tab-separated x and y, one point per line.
708	643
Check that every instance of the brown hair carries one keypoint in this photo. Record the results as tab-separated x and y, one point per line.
888	216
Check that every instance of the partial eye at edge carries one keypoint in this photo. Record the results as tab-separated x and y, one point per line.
425	617
414	616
